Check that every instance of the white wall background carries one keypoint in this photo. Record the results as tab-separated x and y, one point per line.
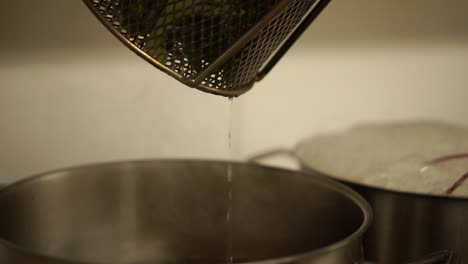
70	93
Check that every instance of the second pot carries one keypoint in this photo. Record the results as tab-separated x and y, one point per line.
406	226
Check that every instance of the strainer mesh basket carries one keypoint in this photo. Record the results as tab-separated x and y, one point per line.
218	46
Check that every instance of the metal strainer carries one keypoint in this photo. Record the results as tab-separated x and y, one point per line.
217	46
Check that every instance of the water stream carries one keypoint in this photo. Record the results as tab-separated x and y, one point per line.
229	175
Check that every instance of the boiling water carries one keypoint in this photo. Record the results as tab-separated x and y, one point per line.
229	174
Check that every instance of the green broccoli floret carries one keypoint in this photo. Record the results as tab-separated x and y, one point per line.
173	27
138	17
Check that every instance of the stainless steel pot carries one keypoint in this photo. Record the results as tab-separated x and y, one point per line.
175	211
406	225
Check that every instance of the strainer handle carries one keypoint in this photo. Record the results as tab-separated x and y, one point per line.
241	42
313	14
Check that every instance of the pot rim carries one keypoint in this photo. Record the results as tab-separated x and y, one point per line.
334	185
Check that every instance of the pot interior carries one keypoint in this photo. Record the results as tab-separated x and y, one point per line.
174	211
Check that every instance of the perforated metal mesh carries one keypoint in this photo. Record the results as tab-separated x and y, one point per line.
184	37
